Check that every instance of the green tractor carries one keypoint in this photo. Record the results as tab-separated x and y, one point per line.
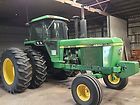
50	51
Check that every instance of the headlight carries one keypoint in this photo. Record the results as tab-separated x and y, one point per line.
39	42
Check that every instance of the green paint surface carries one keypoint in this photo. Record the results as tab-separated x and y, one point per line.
91	41
129	68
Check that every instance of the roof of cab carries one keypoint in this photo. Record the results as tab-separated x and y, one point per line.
48	17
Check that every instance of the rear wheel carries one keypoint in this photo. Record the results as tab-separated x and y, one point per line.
16	70
39	68
114	82
86	90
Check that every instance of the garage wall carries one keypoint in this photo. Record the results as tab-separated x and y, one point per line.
11	36
96	30
118	28
134	35
93	29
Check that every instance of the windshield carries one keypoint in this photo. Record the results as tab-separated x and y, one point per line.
49	29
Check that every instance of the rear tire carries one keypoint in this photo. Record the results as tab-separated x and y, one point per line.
86	90
39	68
16	70
117	83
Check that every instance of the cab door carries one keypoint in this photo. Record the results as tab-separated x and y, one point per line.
54	32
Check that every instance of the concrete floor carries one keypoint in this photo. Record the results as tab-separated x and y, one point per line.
57	93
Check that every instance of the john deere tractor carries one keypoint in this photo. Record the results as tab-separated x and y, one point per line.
50	51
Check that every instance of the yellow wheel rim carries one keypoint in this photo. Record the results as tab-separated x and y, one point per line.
8	71
113	79
83	92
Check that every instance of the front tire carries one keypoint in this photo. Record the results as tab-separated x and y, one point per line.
16	70
114	82
86	90
39	68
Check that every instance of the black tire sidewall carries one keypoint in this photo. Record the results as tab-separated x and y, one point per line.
8	54
98	86
37	72
122	84
93	91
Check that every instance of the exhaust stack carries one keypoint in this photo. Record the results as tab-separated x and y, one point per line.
83	24
76	24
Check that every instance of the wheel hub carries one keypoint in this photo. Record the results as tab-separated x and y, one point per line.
113	79
83	92
8	71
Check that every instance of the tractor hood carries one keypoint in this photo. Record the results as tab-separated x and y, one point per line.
83	42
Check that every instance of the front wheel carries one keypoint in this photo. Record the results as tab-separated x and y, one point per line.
86	90
114	82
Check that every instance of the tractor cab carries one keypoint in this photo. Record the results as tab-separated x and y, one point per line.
48	28
47	31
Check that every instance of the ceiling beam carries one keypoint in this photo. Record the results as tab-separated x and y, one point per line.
79	5
99	3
